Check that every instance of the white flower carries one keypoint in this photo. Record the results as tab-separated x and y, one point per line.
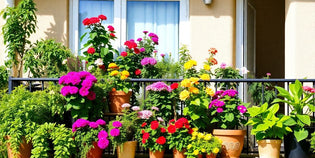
160	119
64	61
90	67
126	105
155	108
99	62
243	71
135	108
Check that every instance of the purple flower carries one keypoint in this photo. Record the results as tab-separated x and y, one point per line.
114	132
145	32
117	124
142	49
216	103
155	108
84	91
219	110
223	66
135	108
101	122
93	124
103	143
139	39
230	92
102	135
73	89
145	114
242	109
159	86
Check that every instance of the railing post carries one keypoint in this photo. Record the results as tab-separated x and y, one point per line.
10	84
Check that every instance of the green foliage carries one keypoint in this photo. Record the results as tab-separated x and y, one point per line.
4	76
167	68
266	125
255	90
227	73
301	107
313	142
20	24
45	59
181	137
184	55
60	137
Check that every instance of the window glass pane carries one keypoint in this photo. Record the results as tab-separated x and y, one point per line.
93	8
160	17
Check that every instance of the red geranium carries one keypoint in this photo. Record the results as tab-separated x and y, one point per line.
110	28
143	124
86	21
171	129
146	136
179	124
91	50
130	44
113	35
171	121
136	50
154	125
94	20
174	86
102	17
138	72
190	131
144	141
163	130
161	140
142	131
124	54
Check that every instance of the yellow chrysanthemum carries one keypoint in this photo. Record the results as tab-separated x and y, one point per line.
207	67
194	80
196	152
125	73
193	138
201	135
123	77
114	73
203	150
189	146
208	136
215	150
194	90
205	77
185	83
194	134
210	91
188	65
195	129
220	141
112	66
184	95
194	62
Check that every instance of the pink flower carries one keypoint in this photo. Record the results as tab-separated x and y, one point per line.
84	74
145	32
230	92
91	78
268	74
219	110
148	61
124	54
125	105
102	135
83	91
110	28
62	80
79	124
155	108
159	86
91	95
242	109
87	83
65	90
162	55
75	79
155	40
93	125
145	114
216	103
139	39
142	49
101	122
103	143
160	119
155	51
117	124
114	132
91	50
223	66
135	108
73	89
307	88
102	17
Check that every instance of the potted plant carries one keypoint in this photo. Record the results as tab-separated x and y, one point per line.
179	135
227	112
122	132
301	103
203	143
151	134
90	137
268	129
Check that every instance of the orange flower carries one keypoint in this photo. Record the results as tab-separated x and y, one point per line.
213	51
194	90
213	61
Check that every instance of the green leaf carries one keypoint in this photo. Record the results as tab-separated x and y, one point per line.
305	119
196	102
284	93
301	134
195	117
290	122
229	117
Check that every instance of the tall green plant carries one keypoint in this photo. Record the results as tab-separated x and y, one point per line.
20	24
4	75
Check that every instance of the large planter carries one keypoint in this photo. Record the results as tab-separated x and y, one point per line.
24	150
208	155
293	149
118	98
179	154
156	154
232	142
95	152
269	148
128	150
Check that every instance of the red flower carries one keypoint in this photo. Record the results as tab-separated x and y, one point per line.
174	86
190	131
146	136
102	67
91	95
136	50
91	50
144	141
86	21
187	126
143	124
179	124
171	121
94	20
161	140
183	120
102	17
163	130
130	44
213	51
123	54
113	35
154	125
110	28
138	72
142	131
171	129
213	61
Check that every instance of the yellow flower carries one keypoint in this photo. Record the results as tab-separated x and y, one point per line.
210	91
205	77
114	73
201	135
203	150
122	77
194	80
112	66
215	150
208	136
207	67
194	62
220	141
196	152
195	129
184	95
193	138
194	90
189	146
188	65
194	134
185	83
125	73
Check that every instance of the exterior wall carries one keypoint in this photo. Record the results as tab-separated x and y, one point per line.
299	39
213	26
3	4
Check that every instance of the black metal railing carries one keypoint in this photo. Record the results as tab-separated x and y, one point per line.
241	85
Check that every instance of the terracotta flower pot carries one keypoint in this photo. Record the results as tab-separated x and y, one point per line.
156	154
95	152
128	150
24	150
118	98
179	154
269	148
232	142
208	156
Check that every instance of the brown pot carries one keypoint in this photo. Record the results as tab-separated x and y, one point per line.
179	154
24	150
118	98
232	142
156	154
269	148
128	150
208	156
95	152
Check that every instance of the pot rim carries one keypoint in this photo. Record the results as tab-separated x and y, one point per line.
229	132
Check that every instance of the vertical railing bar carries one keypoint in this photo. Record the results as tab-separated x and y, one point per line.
10	84
262	92
30	86
216	86
42	85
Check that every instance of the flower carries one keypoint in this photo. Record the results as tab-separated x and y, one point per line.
112	35
194	90
155	108
163	130
196	152
208	136
210	91
184	95
145	114
160	119
110	28
142	49
102	134
171	129
243	71
114	132
103	143
268	74
99	62
130	44
217	103
219	110
139	39
161	140
216	150
223	66
158	86
117	124
137	72
205	77
213	51
162	55
64	61
102	17
114	73
174	86
86	21
148	61
230	92
146	136
242	109
189	146
93	124
125	73
84	91
213	61
124	54
125	105
94	20
145	32
101	122
185	83
207	67
135	108
91	95
154	125
143	124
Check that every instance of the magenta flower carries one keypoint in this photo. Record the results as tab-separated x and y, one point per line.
114	132
62	80
223	66
142	49
242	109
102	135
216	103
79	124
73	89
219	110
84	74
75	80
145	114
139	39
87	83
93	124
101	122
159	86
103	143
155	40
117	124
230	92
148	61
84	91
162	55
65	90
91	78
145	32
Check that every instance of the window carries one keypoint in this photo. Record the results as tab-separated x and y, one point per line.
168	19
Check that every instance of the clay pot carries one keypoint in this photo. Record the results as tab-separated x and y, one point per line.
208	156
156	154
232	142
95	152
128	150
118	98
24	150
269	148
179	154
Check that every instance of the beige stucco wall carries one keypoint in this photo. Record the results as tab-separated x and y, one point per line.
3	4
213	26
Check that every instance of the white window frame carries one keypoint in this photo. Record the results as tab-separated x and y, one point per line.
120	23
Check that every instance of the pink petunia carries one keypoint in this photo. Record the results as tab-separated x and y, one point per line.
242	109
103	143
117	124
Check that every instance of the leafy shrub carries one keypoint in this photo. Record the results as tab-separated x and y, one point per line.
4	75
